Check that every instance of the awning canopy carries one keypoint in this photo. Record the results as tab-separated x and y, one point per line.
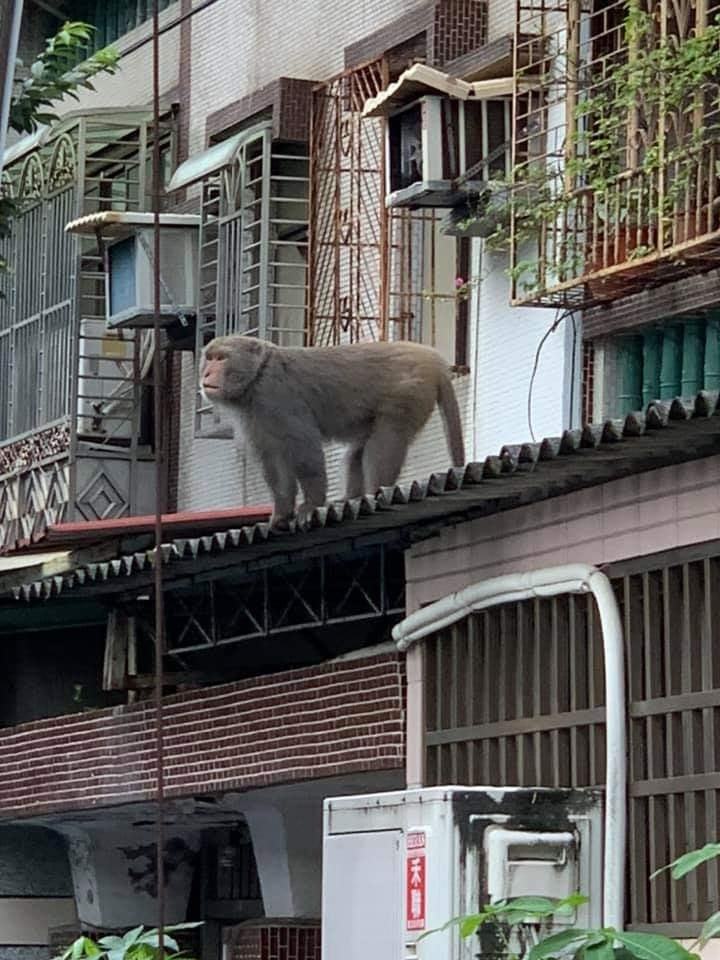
121	222
201	165
420	81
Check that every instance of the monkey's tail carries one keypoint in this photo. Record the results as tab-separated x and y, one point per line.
450	412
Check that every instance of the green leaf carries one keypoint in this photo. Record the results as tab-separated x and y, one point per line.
652	946
470	924
690	861
710	929
559	943
539	906
602	950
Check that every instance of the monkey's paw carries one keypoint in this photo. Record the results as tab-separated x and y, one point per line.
281	523
304	513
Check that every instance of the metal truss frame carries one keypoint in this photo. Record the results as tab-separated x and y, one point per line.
316	592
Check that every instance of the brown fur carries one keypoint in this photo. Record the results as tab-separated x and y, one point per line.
375	397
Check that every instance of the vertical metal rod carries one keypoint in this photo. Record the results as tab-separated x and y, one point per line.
159	473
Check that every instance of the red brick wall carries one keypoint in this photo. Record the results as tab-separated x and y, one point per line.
336	718
274	940
458	27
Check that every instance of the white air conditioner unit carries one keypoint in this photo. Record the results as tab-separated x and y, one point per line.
433	143
445	137
397	865
128	240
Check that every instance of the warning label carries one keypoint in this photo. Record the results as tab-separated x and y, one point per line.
415	879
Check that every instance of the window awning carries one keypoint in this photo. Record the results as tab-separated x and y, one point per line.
122	222
201	165
420	81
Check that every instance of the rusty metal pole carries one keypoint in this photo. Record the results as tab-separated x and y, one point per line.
159	477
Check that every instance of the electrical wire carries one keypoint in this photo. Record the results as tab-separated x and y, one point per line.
551	329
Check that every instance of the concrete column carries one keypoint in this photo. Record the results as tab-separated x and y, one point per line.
114	873
287	841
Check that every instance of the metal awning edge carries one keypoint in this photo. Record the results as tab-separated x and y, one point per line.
198	166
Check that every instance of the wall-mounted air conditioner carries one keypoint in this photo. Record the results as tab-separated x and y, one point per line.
397	865
445	137
128	242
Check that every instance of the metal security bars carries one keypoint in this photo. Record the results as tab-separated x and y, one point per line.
253	247
70	388
52	298
253	242
375	274
515	696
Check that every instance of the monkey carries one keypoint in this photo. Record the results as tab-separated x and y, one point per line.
374	397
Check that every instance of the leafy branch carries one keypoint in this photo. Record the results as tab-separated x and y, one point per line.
56	73
136	944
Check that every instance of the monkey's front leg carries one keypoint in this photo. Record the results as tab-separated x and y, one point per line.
280	477
312	475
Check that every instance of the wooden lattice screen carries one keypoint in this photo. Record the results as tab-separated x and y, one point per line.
515	697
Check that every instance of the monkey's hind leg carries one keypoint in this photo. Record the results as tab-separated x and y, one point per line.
385	453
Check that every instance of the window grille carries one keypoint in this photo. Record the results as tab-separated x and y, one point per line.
253	247
56	358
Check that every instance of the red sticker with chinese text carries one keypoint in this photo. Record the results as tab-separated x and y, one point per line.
415	876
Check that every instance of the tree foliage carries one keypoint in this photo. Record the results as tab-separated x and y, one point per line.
56	73
61	70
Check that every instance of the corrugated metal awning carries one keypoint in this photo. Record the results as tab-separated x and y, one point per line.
421	80
114	222
201	165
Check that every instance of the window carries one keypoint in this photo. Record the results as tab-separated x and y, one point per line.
679	358
113	18
253	240
377	273
36	311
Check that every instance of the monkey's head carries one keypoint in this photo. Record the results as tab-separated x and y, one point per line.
229	366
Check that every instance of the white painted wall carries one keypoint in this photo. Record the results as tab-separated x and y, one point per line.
503	346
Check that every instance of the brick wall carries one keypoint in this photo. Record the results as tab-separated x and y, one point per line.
338	718
458	27
274	940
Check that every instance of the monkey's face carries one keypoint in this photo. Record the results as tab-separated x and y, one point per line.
228	366
212	371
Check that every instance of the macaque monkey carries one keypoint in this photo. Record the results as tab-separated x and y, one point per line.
374	397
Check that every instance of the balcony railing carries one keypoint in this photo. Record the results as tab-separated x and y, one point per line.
624	161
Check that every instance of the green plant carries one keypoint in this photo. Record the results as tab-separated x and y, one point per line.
658	76
56	73
136	944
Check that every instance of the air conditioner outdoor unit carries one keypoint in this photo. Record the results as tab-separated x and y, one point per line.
397	865
128	240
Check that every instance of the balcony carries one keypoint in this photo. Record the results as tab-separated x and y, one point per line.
73	443
617	156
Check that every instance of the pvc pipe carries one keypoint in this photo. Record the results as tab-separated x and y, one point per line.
553	582
9	41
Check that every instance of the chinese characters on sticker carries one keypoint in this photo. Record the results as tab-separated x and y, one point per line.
415	874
